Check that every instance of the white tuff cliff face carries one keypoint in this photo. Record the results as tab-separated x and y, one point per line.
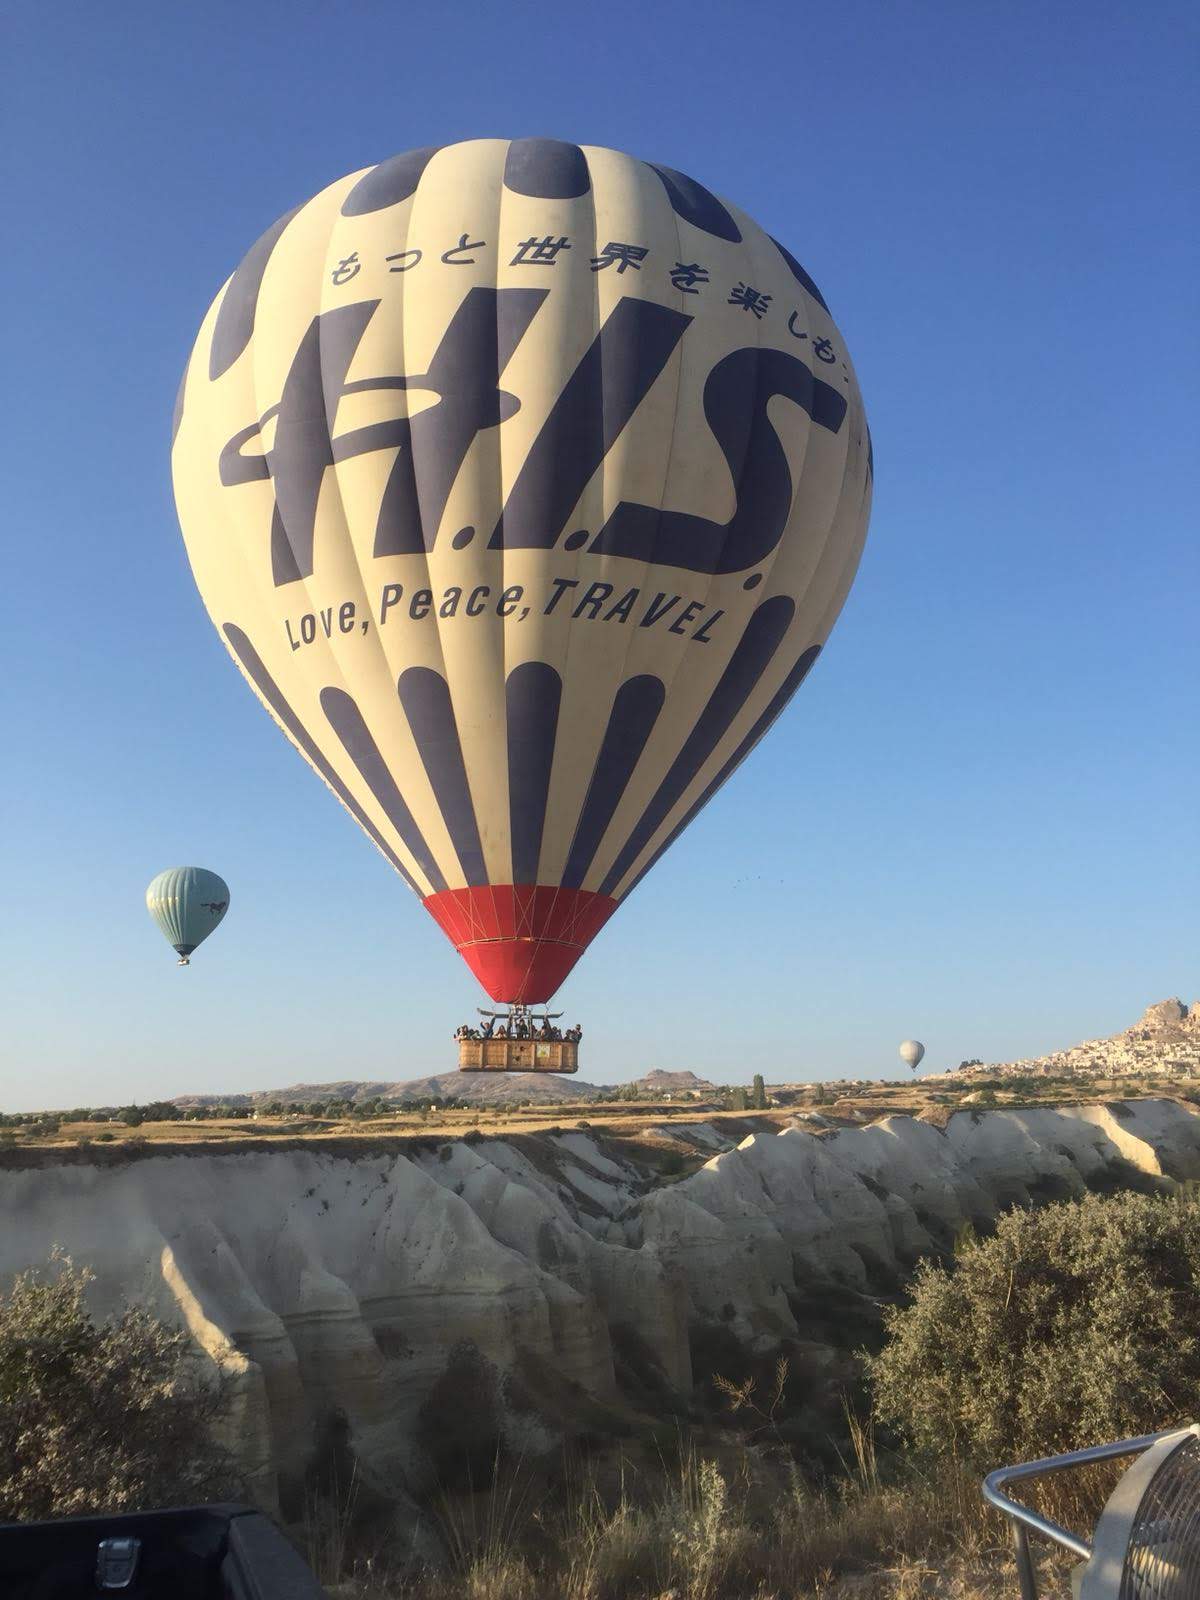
493	1288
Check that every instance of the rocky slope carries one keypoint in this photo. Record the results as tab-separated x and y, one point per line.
673	1083
1165	1040
523	1288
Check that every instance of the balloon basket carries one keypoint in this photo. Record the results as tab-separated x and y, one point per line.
518	1040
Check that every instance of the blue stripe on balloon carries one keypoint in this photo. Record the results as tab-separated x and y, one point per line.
612	379
425	696
235	319
348	723
390	182
780	699
751	658
546	169
799	273
532	693
177	414
634	712
265	684
693	202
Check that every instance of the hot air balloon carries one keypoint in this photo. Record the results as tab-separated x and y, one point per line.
911	1053
524	482
187	903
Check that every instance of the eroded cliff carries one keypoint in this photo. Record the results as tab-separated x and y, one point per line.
444	1297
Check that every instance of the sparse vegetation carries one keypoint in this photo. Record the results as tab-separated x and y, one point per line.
629	1110
694	1523
1066	1325
94	1416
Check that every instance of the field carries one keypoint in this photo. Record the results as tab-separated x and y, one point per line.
640	1122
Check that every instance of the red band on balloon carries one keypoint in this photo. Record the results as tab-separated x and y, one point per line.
520	940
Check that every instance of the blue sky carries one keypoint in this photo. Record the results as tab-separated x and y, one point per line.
976	823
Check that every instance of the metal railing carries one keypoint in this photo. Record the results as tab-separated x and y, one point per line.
1026	1521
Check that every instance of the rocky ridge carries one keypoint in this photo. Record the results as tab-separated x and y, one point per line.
673	1083
443	1297
1164	1042
477	1088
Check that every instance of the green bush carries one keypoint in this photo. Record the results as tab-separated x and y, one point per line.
1070	1326
104	1417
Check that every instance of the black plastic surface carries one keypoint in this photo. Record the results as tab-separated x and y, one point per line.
222	1552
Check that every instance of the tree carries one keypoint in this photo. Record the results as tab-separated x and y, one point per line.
758	1097
104	1417
738	1099
1070	1326
131	1116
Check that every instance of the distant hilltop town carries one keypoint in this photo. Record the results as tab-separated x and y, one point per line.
1166	1042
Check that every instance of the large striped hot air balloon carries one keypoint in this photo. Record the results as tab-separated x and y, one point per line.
524	482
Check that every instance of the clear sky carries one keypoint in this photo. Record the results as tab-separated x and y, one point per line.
975	824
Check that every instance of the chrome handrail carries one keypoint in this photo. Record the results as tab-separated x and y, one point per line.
1026	1521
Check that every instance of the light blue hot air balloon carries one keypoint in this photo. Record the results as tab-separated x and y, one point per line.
187	903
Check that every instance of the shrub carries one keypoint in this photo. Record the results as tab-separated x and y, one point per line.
1071	1325
104	1417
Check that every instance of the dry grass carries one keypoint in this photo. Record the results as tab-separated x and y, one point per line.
634	1122
699	1530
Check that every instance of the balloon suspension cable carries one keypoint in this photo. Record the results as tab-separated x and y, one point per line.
517	1012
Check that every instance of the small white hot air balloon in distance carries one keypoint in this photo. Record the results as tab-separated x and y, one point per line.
911	1053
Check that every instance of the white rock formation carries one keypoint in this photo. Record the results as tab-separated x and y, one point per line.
1164	1042
544	1266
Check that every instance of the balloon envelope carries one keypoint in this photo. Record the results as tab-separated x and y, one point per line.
911	1052
524	482
187	903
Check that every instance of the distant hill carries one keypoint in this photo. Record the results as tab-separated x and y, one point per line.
493	1088
661	1082
478	1088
